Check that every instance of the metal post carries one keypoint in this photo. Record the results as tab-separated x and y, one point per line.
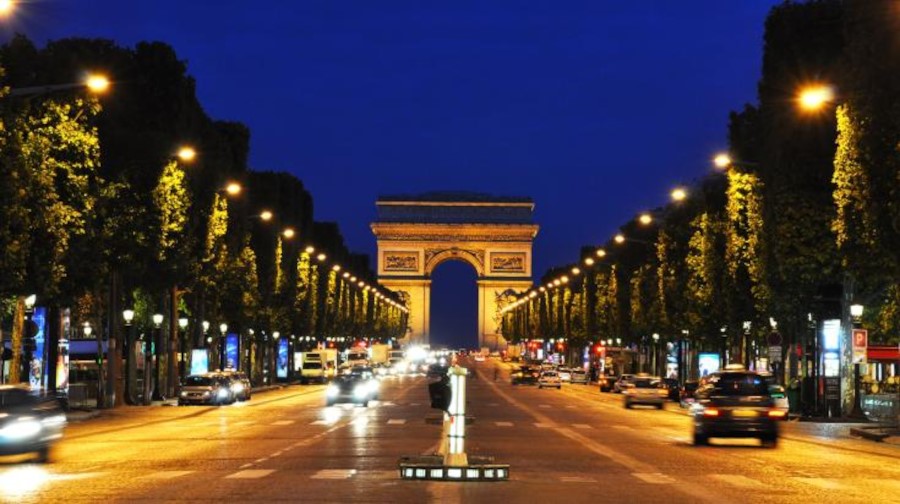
455	421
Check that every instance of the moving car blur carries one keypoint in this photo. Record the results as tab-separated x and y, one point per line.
29	423
207	388
735	404
357	388
645	390
549	379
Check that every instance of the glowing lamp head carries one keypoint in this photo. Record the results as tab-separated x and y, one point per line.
619	238
233	189
128	316
288	233
679	194
813	98
183	323
645	219
722	161
6	7
223	327
321	257
187	154
157	319
266	215
601	253
97	83
589	261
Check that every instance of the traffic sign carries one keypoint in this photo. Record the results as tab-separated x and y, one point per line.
860	345
775	353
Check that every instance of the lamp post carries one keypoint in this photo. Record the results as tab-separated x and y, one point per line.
28	340
149	361
655	362
182	324
130	364
223	328
856	313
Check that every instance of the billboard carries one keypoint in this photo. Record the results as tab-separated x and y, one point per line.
232	356
36	376
708	363
199	361
282	362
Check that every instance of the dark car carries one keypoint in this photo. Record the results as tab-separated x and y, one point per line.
525	375
607	382
208	388
352	388
673	388
29	423
686	393
240	384
735	404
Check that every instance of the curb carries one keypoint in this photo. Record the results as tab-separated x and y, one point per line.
81	415
868	434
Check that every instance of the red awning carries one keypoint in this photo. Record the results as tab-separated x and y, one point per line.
883	353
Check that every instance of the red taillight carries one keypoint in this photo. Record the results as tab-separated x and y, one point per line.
777	413
710	412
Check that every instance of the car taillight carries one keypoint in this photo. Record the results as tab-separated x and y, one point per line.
777	413
711	412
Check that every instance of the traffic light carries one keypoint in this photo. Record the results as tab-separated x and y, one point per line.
440	393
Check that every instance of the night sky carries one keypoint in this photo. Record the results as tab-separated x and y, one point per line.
595	109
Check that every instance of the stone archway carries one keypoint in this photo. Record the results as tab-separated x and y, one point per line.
417	233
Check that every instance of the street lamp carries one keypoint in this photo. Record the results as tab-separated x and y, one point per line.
187	154
287	233
157	320
679	194
856	311
645	219
233	188
6	7
266	215
722	161
88	330
813	98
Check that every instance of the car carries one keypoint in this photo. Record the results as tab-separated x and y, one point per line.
779	396
673	388
207	388
579	375
240	384
622	383
607	382
313	370
436	370
525	375
686	393
565	375
645	390
351	388
549	379
735	404
29	423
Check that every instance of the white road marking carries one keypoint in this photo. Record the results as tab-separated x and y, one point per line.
543	425
738	480
543	406
334	474
415	404
503	424
581	426
570	406
283	422
167	474
320	422
250	474
825	484
654	478
396	421
577	479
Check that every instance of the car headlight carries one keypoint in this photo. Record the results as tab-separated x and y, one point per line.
332	391
360	391
223	392
22	429
54	420
238	387
184	394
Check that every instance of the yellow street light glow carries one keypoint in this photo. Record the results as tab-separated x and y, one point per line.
267	216
601	253
589	261
361	284
679	194
187	154
619	238
722	161
557	282
321	257
645	219
6	7
353	279
564	279
346	274
310	250
543	289
576	271
532	294
97	83
233	188
287	233
336	267
813	98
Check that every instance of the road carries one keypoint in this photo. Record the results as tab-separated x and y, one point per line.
573	445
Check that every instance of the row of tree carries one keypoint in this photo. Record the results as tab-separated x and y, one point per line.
98	213
804	221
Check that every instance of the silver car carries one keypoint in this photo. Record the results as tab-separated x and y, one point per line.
625	381
579	375
647	390
29	423
208	388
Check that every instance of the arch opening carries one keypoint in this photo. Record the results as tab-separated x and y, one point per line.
454	304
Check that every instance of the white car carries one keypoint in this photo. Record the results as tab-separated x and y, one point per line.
565	375
549	379
781	400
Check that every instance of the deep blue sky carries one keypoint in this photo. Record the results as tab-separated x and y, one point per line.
593	108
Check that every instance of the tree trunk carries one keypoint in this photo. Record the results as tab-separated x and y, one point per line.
18	335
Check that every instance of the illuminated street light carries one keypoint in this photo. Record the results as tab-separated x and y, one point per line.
589	261
336	267
346	274
183	323
157	319
576	271
310	250
30	301
645	219
679	194
223	327
128	316
601	253
619	238
722	161
97	83
321	257
815	97
87	329
288	233
6	7
187	154
233	188
266	215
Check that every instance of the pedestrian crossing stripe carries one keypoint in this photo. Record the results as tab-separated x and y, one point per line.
167	474
250	474
334	474
396	421
503	424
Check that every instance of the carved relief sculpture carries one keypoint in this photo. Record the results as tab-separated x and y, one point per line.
401	261
508	262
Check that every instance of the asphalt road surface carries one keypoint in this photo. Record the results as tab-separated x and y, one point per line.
573	445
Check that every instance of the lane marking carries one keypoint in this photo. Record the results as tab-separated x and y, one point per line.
577	479
738	480
582	426
541	425
396	421
167	474
283	422
334	474
503	424
570	406
825	484
654	478
415	404
250	474
320	422
545	406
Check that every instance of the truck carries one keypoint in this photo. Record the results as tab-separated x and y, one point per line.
379	353
318	365
357	356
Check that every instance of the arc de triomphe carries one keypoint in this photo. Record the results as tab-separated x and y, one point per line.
494	235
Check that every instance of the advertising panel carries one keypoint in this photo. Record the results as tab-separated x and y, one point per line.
672	360
36	376
282	363
62	368
831	334
199	361
232	357
708	363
